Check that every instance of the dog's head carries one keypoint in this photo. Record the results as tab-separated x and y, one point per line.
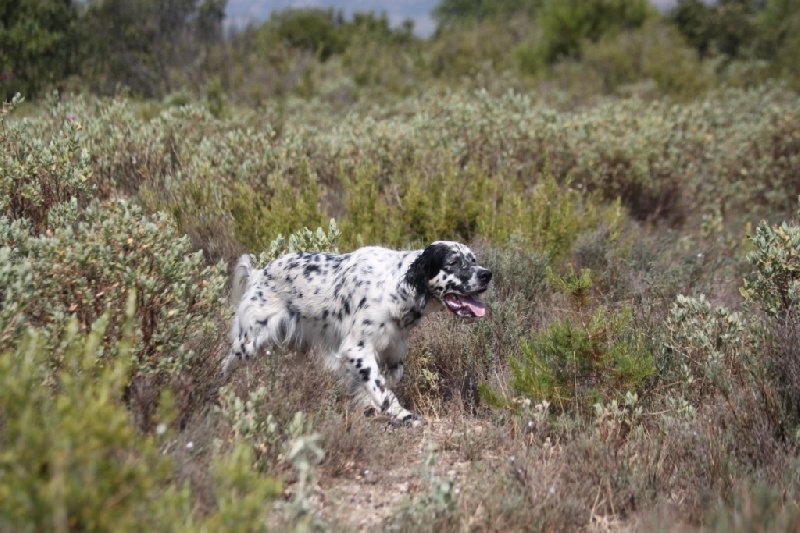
449	272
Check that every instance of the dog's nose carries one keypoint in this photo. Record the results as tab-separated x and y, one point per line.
485	276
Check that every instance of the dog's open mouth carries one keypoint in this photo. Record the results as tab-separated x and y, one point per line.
464	305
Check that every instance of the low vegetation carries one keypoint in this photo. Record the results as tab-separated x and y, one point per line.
638	363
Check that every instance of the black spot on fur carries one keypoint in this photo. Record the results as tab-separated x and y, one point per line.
363	303
380	385
426	266
367	322
361	343
365	372
310	270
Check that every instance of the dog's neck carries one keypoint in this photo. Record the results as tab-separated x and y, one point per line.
417	277
414	291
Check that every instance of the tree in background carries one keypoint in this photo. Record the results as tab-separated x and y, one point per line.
779	24
449	13
37	43
315	30
149	46
568	24
738	28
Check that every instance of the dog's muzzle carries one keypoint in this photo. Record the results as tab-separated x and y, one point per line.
466	305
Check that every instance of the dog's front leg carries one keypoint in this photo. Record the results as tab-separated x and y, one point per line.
363	366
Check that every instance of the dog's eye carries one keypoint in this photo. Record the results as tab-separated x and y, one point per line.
452	262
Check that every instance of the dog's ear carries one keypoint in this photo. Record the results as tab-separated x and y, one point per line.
426	266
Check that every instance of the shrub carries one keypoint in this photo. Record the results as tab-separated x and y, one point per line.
703	347
566	24
288	204
653	53
780	377
464	165
593	355
73	460
86	264
772	290
38	172
774	282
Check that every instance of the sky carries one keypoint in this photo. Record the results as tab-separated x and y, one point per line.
240	12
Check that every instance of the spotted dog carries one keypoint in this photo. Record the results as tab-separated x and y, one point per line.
356	310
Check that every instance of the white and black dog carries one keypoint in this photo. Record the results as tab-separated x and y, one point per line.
356	310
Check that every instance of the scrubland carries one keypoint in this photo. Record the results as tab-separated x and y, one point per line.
637	367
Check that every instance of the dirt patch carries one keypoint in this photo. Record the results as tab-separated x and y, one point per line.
362	498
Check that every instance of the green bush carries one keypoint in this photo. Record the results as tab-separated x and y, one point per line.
85	265
38	171
772	289
314	30
260	215
704	347
464	165
595	354
566	24
774	282
73	460
656	54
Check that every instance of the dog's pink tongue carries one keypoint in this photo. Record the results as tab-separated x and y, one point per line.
476	306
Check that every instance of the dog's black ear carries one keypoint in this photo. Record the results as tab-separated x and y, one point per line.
426	266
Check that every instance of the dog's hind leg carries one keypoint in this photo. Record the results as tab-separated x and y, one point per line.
255	327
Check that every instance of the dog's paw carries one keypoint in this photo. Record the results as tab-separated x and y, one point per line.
410	420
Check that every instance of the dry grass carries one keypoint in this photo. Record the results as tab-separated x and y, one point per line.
662	471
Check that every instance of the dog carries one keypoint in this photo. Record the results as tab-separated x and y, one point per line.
356	310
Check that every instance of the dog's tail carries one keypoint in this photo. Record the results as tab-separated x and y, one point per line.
241	279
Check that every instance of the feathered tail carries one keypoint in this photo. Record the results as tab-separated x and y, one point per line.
241	279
